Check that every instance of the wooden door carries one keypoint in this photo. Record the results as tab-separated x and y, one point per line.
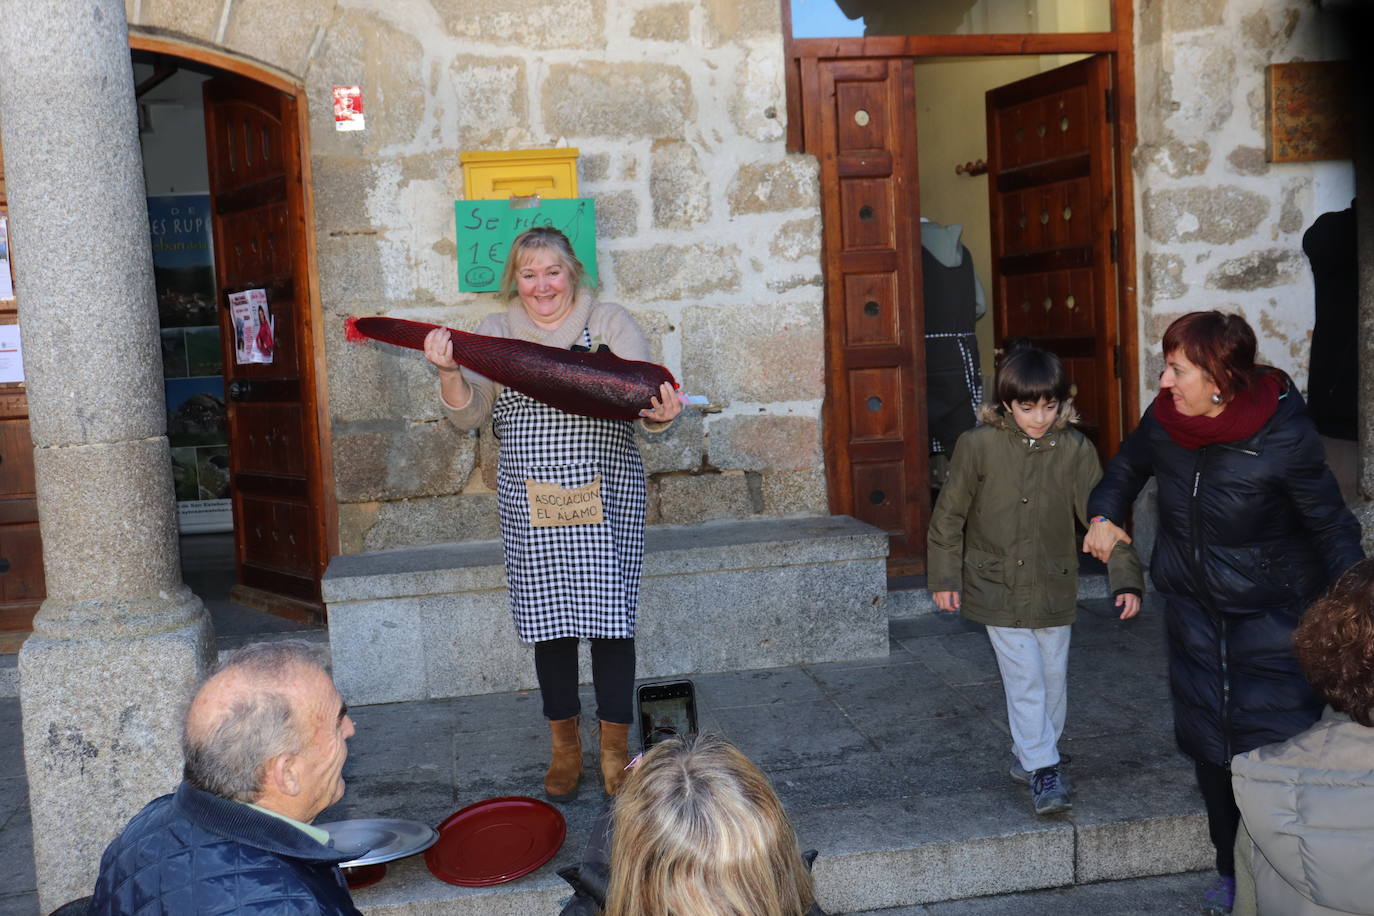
258	203
21	548
1054	230
861	125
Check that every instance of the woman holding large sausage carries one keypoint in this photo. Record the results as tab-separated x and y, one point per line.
577	577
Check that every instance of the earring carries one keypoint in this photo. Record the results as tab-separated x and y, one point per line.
1216	397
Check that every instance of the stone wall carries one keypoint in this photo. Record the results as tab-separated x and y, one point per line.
708	230
1218	226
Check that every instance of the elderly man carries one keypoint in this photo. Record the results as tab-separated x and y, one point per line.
265	743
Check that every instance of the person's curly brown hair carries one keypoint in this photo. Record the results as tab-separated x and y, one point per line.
1335	643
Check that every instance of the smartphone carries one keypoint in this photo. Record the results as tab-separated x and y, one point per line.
666	709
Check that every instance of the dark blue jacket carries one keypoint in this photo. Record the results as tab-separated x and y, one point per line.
1250	532
196	853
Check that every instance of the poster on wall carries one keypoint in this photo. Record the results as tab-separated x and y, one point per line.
198	434
11	354
348	108
487	227
6	280
254	327
192	360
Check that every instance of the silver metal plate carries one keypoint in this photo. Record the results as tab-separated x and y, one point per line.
379	839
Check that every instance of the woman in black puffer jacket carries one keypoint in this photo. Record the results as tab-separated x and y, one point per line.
1251	529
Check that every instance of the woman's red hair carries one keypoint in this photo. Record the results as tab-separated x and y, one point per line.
1221	345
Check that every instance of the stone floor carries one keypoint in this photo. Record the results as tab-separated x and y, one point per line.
894	769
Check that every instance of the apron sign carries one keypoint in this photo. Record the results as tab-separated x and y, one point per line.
487	227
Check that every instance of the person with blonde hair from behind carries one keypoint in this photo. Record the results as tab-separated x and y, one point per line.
1307	804
697	830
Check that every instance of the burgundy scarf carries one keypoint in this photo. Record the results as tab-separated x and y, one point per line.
1244	414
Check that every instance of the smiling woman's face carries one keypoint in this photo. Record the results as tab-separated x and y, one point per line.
1191	387
542	284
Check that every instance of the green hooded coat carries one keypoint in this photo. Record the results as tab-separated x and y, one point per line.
1002	533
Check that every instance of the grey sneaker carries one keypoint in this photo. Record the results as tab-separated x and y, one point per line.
1020	774
1047	791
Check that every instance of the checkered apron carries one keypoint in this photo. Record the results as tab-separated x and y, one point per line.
576	580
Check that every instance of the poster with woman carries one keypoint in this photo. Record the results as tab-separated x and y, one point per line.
254	328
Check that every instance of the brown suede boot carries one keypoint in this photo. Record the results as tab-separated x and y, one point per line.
615	755
565	769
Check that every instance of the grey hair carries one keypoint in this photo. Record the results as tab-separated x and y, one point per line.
228	758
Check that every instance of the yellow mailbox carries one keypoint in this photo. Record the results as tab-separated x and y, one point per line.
499	174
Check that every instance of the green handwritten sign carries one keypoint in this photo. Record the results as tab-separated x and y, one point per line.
487	227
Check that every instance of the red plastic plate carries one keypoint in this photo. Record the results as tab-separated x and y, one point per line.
364	875
495	841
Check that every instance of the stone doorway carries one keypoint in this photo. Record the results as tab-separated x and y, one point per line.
224	151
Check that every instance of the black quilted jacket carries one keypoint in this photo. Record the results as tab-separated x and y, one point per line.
195	854
1249	533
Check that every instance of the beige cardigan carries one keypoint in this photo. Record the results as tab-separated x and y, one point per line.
608	324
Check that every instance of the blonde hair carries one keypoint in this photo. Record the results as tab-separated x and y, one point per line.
699	831
540	238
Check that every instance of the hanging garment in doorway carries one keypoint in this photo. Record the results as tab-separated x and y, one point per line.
953	302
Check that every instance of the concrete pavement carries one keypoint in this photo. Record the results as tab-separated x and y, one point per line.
894	769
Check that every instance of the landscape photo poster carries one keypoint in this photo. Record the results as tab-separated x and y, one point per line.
192	359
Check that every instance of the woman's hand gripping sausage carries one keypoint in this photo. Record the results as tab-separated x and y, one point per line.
453	388
665	407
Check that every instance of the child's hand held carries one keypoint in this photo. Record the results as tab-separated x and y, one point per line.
1129	604
946	600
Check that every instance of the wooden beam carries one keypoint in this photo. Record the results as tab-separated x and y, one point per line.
1123	77
957	45
164	71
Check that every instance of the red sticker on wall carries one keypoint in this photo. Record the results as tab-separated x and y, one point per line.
348	108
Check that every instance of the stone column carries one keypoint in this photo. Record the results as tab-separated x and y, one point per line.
120	640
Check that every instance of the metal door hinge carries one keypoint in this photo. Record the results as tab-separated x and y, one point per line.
1116	361
1114	245
1111	105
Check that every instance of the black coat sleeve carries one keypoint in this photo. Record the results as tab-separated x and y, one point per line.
1126	474
1316	496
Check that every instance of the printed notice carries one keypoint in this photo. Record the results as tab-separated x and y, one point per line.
254	326
6	281
11	354
348	108
487	227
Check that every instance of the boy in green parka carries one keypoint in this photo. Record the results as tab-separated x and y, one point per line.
1003	552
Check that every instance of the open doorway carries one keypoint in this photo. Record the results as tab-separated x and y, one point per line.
224	170
1026	194
890	108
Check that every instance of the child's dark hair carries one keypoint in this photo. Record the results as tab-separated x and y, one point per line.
1029	374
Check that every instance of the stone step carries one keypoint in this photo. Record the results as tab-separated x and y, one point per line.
893	769
908	596
429	622
898	853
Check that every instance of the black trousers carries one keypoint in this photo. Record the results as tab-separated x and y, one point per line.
1223	817
613	676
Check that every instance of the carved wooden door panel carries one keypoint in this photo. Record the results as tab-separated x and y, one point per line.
253	146
861	125
1053	230
21	548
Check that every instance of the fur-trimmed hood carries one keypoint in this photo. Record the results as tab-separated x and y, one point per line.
992	414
